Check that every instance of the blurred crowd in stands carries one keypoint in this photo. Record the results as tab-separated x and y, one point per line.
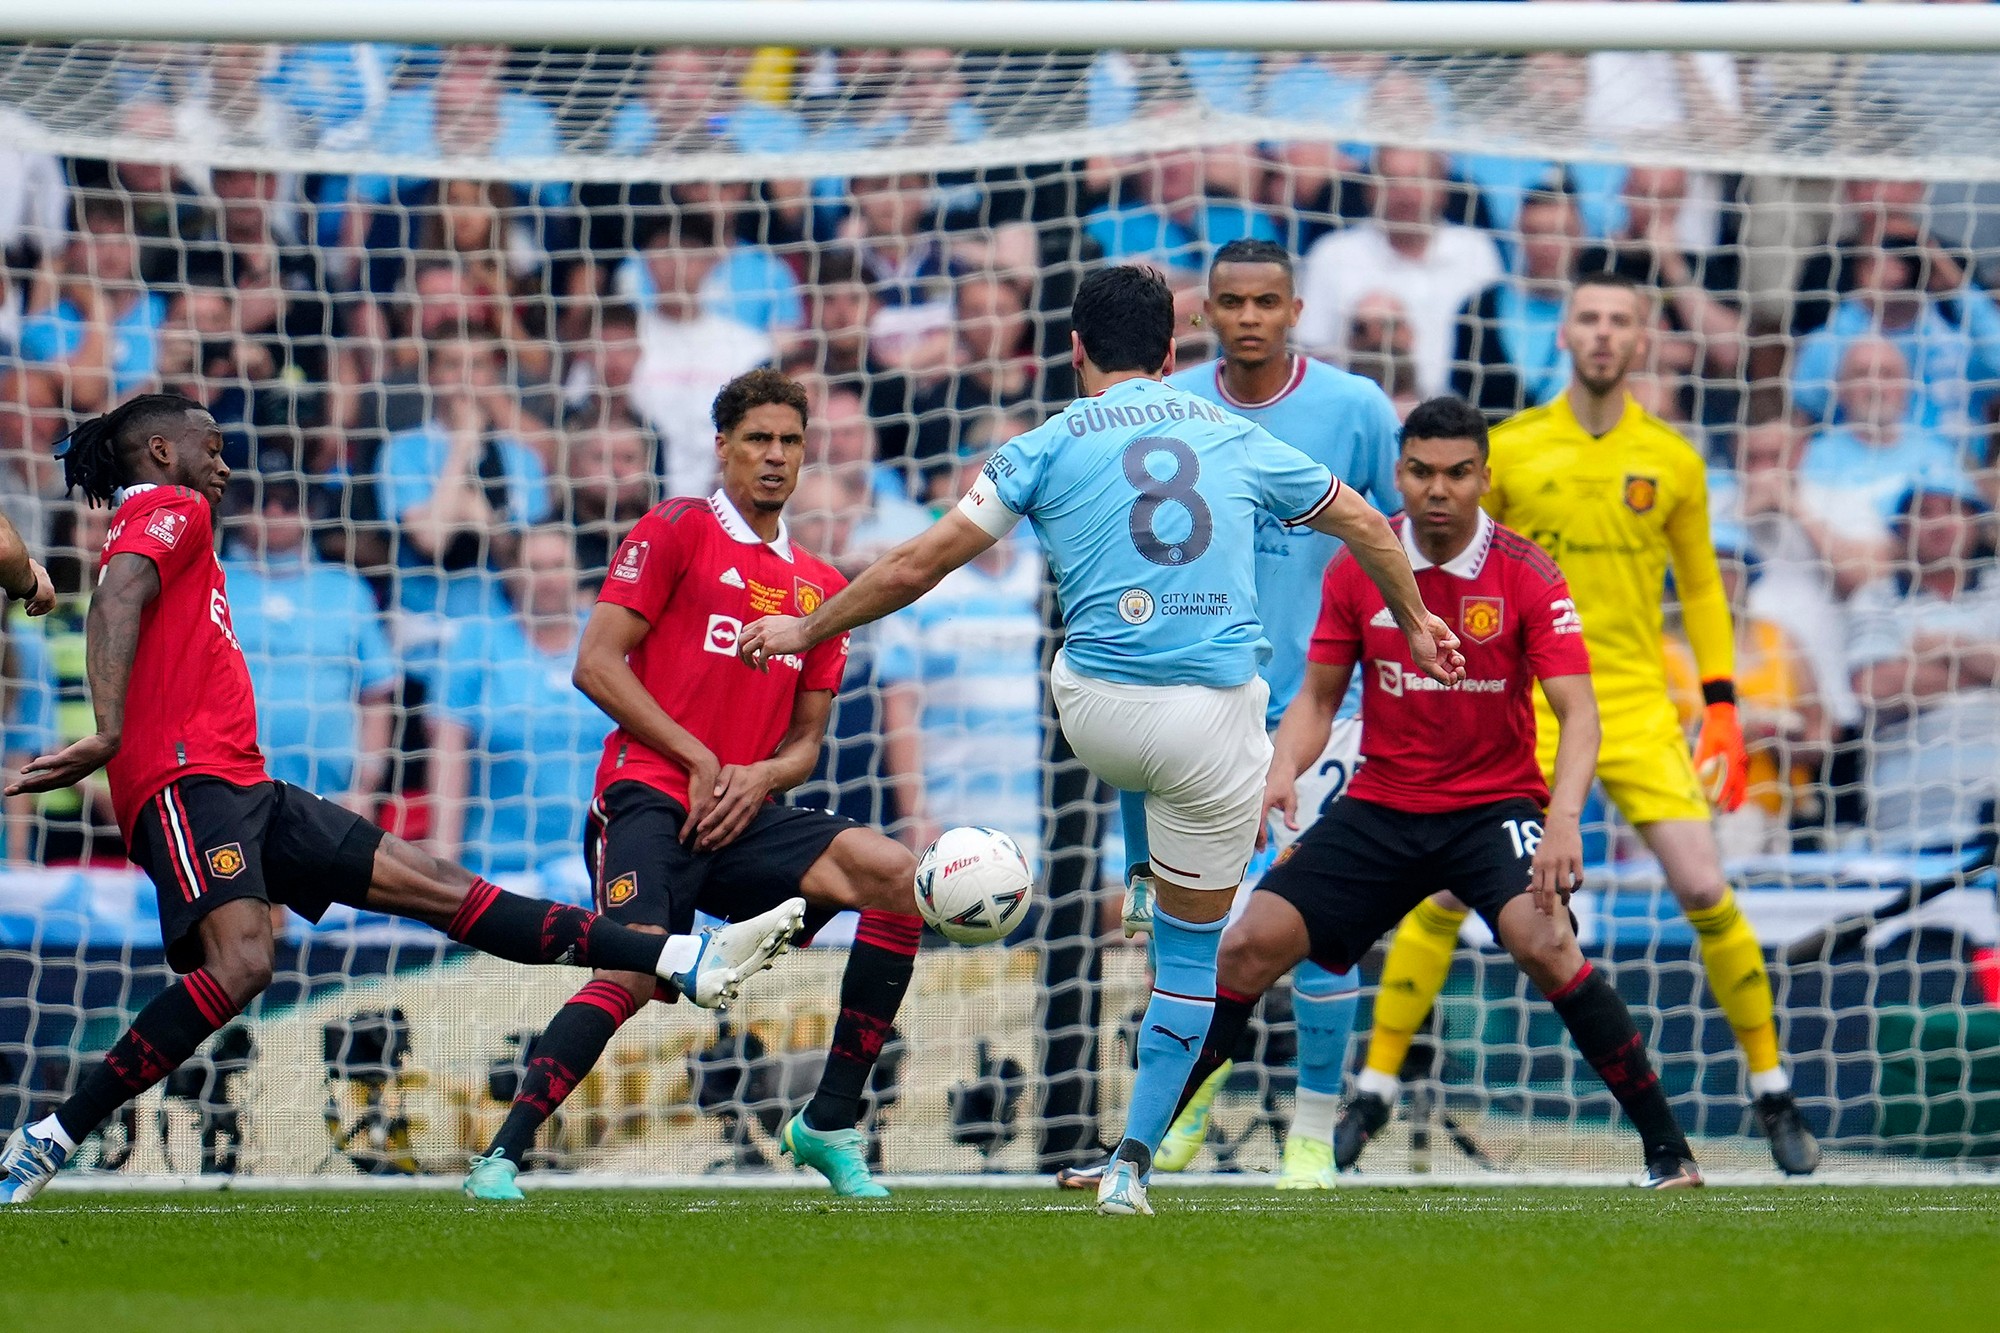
446	397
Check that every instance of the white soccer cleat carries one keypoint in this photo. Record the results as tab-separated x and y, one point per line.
1138	909
1122	1193
730	954
27	1164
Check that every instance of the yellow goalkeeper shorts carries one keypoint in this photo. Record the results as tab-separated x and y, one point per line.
1643	763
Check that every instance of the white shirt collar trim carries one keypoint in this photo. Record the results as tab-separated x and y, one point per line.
1467	563
739	528
126	493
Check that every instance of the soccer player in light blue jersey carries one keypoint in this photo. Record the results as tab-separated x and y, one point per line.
1346	423
1146	501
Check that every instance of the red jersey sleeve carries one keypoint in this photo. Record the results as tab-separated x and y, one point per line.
650	562
170	526
1336	639
1553	630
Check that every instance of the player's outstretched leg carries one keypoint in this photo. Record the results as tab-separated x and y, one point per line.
1323	1006
1412	975
1545	948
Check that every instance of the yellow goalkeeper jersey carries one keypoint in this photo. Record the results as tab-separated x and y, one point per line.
1614	512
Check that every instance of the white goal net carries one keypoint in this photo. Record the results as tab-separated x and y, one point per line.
379	262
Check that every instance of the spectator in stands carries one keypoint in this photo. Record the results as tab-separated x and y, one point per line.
318	657
466	109
1912	291
517	744
472	225
609	482
689	100
1926	663
748	281
835	343
1382	346
228	101
598	386
1174	209
456	486
687	352
1863	464
906	265
164	203
332	90
1404	250
34	213
279	284
1506	357
27	729
92	327
840	441
994	365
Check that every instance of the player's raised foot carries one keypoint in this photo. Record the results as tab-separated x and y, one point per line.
841	1155
1306	1165
491	1180
1190	1129
730	954
1671	1171
28	1162
1137	912
1360	1121
1081	1177
1122	1192
1793	1146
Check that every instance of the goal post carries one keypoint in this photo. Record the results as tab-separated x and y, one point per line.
327	221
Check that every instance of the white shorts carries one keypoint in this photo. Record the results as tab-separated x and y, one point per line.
1319	787
1198	753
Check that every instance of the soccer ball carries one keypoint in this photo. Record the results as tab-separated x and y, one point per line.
973	885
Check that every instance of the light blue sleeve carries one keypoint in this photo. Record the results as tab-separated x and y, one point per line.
1982	321
1380	446
1289	484
534	478
461	677
1016	469
409	472
371	645
1812	377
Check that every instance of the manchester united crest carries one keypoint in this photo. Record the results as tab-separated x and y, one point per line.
621	890
808	595
226	862
1481	618
1641	493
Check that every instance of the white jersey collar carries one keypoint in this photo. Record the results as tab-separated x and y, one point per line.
1467	563
123	494
739	528
1292	382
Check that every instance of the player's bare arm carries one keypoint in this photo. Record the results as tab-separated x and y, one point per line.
885	587
111	641
742	789
22	578
1376	548
1302	736
1557	869
607	680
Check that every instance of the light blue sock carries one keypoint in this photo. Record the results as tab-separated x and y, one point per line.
1132	814
1324	1004
1175	1023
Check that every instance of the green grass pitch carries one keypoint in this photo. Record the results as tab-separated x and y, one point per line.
1363	1259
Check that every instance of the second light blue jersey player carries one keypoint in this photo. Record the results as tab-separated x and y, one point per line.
1148	500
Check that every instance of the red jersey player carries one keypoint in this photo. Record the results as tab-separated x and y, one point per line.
177	733
1448	794
683	818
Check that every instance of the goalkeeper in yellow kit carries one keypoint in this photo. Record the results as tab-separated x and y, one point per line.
1615	495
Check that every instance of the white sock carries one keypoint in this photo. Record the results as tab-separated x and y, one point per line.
679	955
1386	1086
1770	1081
1313	1114
48	1127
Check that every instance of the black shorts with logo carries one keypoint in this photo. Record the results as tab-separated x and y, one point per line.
643	874
206	842
1362	867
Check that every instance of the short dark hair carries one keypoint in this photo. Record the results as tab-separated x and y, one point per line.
1445	418
1252	250
1608	277
1124	315
757	388
837	265
1547	196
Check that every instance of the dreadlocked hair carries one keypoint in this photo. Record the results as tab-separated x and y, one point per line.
97	455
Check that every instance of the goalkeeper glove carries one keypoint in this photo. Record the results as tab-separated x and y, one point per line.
1721	760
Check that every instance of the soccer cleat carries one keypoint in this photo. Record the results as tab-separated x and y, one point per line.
1793	1146
841	1155
1671	1171
1307	1164
1122	1193
491	1180
1137	913
1081	1177
731	953
1190	1129
26	1164
1360	1120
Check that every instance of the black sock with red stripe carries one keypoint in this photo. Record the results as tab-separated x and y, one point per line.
528	930
161	1039
563	1054
871	991
1225	1030
1600	1024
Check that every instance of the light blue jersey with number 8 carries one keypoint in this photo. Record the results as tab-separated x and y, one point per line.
1145	499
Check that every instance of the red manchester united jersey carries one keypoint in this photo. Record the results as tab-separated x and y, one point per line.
698	574
188	707
1428	747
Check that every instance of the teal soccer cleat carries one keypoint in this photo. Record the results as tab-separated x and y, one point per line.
491	1180
841	1155
26	1164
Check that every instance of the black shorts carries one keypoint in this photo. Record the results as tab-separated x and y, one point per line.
1362	867
642	874
206	842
